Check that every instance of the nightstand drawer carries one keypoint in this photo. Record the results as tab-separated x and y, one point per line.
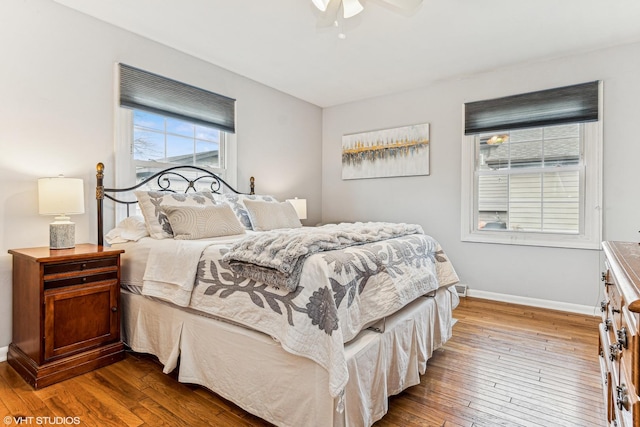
80	280
80	266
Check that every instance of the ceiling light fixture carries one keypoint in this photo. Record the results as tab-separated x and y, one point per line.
351	8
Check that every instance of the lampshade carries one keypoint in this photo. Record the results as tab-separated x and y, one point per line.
61	197
300	205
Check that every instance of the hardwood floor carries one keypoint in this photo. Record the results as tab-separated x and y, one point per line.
506	365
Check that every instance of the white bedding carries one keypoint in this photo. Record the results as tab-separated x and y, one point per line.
252	370
341	292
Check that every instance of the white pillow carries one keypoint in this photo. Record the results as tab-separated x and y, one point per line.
267	216
131	228
237	202
151	203
191	222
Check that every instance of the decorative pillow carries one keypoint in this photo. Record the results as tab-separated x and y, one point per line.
267	216
237	204
131	228
190	222
151	203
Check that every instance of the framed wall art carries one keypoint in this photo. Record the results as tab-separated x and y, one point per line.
402	151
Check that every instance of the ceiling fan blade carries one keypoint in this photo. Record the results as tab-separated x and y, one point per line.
321	4
404	4
351	8
329	16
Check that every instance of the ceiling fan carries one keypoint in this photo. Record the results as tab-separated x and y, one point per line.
350	8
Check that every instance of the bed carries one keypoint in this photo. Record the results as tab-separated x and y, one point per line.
297	325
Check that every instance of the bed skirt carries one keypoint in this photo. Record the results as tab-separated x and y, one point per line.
252	370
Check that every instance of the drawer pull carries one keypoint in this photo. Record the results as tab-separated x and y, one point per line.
615	310
614	351
603	306
622	397
622	337
604	276
114	309
607	324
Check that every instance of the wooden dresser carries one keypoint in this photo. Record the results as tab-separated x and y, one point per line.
66	317
619	341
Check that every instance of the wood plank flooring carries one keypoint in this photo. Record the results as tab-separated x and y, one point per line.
506	365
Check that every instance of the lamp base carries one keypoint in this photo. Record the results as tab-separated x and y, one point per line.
62	235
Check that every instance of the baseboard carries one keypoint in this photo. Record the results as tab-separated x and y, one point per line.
3	353
535	302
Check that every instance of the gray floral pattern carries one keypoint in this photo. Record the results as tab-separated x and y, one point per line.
351	272
340	292
237	204
151	203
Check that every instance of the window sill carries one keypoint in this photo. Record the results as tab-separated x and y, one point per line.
533	239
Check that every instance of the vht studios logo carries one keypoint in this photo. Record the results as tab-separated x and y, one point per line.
23	420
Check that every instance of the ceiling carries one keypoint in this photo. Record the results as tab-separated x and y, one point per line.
277	42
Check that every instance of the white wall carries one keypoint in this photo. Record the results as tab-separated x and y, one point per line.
56	116
560	275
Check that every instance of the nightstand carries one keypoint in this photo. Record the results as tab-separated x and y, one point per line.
66	317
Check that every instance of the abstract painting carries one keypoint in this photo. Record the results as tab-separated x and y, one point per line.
402	151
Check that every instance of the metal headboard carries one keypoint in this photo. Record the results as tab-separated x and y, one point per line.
163	182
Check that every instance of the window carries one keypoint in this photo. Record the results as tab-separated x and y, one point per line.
163	122
160	141
529	180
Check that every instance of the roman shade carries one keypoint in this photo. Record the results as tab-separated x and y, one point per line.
568	104
150	92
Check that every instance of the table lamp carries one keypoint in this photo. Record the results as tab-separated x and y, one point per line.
300	205
61	197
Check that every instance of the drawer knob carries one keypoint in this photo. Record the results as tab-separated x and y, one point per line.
604	276
614	351
84	280
114	309
84	265
622	397
607	324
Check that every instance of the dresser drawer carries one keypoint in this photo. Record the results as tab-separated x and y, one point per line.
607	373
615	305
80	280
627	407
80	266
627	337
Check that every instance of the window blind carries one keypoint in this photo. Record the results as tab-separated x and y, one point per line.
150	92
569	104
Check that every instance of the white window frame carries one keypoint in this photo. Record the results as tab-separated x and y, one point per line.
125	165
590	235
